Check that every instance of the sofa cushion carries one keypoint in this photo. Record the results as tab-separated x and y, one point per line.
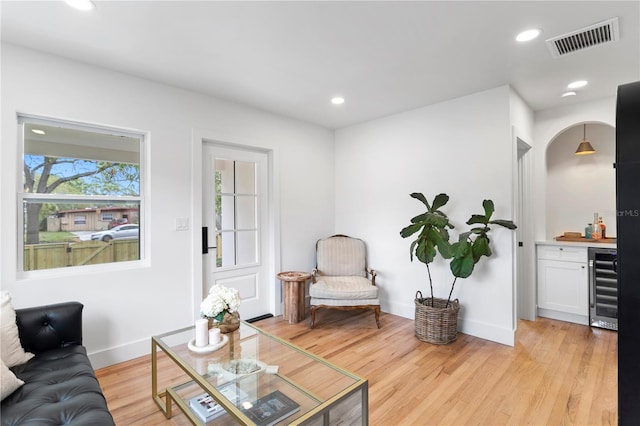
60	388
11	348
43	328
343	288
8	381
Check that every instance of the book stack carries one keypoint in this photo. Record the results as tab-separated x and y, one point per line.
270	409
207	409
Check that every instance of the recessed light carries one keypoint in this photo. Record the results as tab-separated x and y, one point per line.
337	100
565	94
577	84
528	35
81	4
38	131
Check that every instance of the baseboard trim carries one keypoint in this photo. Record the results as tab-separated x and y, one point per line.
505	336
563	316
107	357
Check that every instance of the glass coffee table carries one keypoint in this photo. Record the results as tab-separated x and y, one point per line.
252	377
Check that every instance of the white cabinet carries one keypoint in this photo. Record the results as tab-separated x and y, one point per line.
563	283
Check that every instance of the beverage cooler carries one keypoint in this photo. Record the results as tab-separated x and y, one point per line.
603	288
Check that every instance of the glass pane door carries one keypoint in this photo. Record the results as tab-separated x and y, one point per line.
236	209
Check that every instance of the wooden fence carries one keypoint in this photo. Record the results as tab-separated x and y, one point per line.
60	255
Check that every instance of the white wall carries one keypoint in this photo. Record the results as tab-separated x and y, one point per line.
521	117
462	147
578	186
548	125
124	307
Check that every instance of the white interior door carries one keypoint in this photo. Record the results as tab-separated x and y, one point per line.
235	212
525	276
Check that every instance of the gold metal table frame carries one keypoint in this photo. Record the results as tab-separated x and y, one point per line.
327	394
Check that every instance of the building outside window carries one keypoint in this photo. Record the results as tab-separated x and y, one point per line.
78	181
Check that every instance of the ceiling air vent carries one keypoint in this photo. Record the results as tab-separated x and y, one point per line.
584	38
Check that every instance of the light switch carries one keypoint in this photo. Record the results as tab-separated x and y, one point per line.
182	224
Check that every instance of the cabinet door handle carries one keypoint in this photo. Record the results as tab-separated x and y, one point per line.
592	280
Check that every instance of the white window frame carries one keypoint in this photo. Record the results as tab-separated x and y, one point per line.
107	217
66	198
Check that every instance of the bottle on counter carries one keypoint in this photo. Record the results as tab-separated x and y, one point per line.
603	228
595	229
587	231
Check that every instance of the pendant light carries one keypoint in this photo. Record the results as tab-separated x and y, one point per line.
585	147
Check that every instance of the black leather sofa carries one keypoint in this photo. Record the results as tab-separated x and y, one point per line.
60	385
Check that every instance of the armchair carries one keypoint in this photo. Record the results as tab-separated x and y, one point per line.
341	277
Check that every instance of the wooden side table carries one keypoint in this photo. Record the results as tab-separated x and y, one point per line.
294	283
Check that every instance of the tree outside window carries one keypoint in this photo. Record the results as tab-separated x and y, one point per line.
70	174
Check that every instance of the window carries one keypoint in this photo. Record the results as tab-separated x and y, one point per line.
236	212
75	177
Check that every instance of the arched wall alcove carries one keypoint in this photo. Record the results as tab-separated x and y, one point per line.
577	186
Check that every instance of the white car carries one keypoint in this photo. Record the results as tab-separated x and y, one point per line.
121	232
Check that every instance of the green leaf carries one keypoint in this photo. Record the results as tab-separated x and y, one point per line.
462	267
442	244
410	230
449	225
488	208
419	196
477	218
480	248
419	218
445	250
464	236
425	252
436	220
444	234
460	248
506	223
439	201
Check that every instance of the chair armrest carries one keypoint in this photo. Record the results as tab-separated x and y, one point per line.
373	274
314	275
42	328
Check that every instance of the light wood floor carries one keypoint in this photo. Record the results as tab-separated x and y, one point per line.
557	374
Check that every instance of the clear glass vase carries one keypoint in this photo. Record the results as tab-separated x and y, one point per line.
230	322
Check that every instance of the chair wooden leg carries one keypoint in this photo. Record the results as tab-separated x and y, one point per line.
313	316
377	312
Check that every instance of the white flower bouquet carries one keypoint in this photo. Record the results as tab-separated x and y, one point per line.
220	300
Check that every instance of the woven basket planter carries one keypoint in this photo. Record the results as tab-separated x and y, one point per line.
436	324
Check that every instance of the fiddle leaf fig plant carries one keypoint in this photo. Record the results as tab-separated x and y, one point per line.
433	237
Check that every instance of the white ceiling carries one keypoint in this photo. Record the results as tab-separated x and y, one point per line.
383	57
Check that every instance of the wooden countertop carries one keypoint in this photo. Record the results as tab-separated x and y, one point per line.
561	241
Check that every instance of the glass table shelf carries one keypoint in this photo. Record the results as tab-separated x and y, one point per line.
251	369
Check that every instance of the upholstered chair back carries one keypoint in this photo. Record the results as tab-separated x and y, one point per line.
341	256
